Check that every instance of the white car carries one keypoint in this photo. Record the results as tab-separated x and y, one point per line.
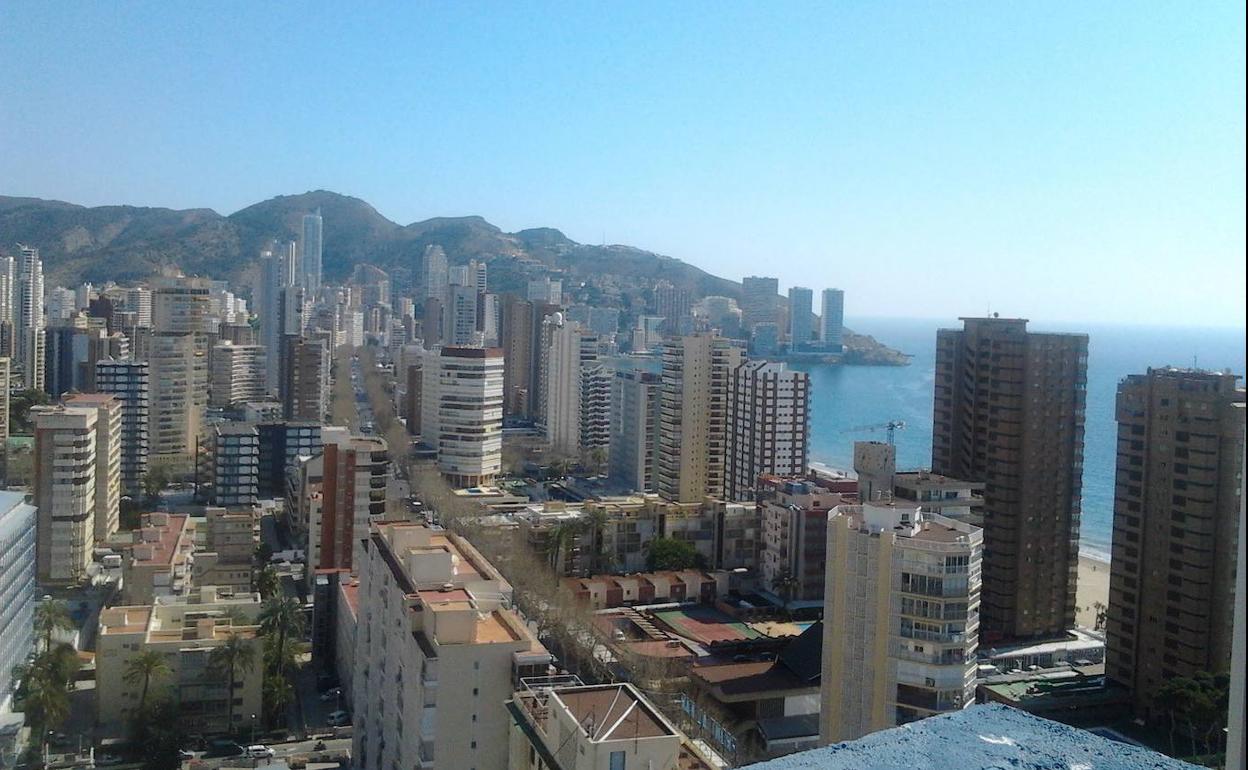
259	751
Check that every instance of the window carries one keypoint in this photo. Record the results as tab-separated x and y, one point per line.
617	760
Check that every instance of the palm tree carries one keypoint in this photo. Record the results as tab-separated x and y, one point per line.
231	659
47	703
278	694
280	620
145	667
52	615
785	584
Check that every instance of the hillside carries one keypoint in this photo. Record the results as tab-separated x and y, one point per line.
127	243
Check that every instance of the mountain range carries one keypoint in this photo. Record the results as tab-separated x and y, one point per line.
131	243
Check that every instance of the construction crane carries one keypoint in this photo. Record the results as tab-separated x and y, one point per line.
892	426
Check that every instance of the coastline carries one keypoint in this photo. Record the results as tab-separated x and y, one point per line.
1093	587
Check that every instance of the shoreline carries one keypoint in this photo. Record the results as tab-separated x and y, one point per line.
1092	587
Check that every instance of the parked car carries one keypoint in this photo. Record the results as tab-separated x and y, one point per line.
331	694
223	747
338	718
107	760
259	751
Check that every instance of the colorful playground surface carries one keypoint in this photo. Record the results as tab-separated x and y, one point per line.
705	625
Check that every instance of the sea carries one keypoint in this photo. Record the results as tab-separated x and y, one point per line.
848	402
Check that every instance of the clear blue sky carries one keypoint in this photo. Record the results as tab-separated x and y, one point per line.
1056	160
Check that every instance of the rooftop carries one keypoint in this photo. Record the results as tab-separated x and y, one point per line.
156	542
981	737
612	713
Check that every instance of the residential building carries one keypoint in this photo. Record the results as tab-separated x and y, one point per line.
310	252
461	316
138	300
306	379
5	386
229	547
558	722
185	631
438	654
769	426
693	419
462	412
28	318
675	307
158	561
64	486
546	291
235	464
354	471
875	464
832	322
183	305
237	374
569	352
277	273
178	392
900	619
282	444
108	435
634	442
759	301
436	273
71	350
1009	411
18	520
129	382
801	317
794	519
1176	525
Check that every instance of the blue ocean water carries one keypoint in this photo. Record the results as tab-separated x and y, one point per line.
847	397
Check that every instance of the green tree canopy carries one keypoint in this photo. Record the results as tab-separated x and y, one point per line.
670	553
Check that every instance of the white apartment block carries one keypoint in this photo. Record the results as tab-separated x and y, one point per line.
108	433
185	630
557	722
237	374
65	488
901	618
438	654
462	412
769	426
179	396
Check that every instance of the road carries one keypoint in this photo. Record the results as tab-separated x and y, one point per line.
334	747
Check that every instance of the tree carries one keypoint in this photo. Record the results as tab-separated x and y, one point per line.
44	687
1197	707
267	582
145	667
1101	613
155	481
785	584
669	553
52	615
231	659
278	694
19	410
157	732
281	620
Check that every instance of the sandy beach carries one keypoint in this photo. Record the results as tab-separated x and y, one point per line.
1093	587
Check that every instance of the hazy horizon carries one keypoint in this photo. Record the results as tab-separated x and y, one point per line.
1018	158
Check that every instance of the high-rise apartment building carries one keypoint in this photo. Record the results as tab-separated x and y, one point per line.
461	315
108	435
462	412
8	286
576	408
437	273
634	448
310	247
178	396
832	322
768	426
1009	411
237	374
546	291
439	615
900	618
306	378
138	300
71	350
675	306
793	515
759	301
277	266
28	321
801	317
693	416
1176	524
354	471
129	382
5	385
235	464
183	305
64	486
18	520
517	335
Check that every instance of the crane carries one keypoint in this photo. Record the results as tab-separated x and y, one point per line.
892	426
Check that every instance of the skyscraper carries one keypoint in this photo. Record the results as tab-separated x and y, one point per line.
65	489
462	412
693	421
900	617
4	420
276	275
758	301
634	430
129	382
546	290
1176	525
437	274
236	374
768	426
563	354
801	317
108	432
179	397
310	253
832	322
28	321
1009	411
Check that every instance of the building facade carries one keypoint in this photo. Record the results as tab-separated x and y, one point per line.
768	426
64	485
237	374
108	436
462	412
129	382
1176	525
1009	411
634	430
18	519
